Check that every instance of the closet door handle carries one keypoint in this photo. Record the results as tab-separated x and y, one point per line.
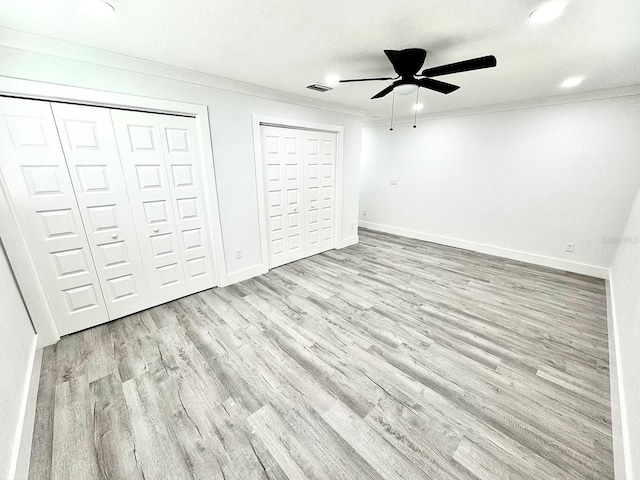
114	236
156	229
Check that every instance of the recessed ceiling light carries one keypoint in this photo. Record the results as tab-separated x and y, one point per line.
417	107
43	5
99	8
332	79
547	12
572	82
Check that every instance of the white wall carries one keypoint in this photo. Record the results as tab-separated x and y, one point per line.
231	133
17	349
527	180
625	279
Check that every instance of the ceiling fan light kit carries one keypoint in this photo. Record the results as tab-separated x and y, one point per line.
408	62
99	8
406	89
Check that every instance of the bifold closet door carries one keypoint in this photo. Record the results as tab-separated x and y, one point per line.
283	158
93	161
299	174
37	181
319	189
178	136
159	159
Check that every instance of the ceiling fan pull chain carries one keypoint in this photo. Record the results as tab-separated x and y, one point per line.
415	108
393	101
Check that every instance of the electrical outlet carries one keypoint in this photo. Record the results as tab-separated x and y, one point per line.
353	225
238	253
364	213
570	247
394	181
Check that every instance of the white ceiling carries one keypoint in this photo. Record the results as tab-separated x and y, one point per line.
288	44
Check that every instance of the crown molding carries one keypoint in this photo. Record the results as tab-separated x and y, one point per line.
48	46
627	91
44	45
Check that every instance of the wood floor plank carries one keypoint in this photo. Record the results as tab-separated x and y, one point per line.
482	464
407	432
391	359
337	455
42	445
156	451
113	432
73	454
381	455
297	461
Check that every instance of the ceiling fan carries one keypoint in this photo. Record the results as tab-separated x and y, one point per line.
408	62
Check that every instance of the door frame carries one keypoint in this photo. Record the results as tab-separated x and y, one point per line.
10	232
295	124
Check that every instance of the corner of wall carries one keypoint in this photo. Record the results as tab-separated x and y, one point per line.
24	434
347	242
619	422
245	274
520	256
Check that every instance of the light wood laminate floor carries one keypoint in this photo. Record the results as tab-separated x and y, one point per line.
391	359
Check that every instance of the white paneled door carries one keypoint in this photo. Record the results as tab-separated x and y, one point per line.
320	187
283	154
37	181
159	159
299	174
111	205
90	148
187	200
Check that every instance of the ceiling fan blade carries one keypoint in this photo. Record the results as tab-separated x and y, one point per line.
365	79
406	62
384	92
437	85
464	66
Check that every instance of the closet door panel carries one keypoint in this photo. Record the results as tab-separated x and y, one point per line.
93	160
140	146
178	135
283	156
40	190
319	182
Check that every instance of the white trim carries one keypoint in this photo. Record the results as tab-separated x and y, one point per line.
619	419
57	48
26	415
628	91
347	242
259	119
260	193
25	270
24	454
245	274
211	196
582	268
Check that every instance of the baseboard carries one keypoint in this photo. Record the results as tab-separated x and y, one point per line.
619	424
347	242
557	263
24	433
245	274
